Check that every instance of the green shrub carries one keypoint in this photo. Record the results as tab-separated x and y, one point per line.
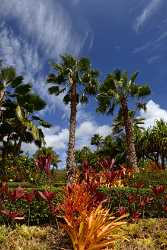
149	179
13	184
58	177
119	197
38	211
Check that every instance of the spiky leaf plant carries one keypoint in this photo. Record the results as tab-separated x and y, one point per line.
96	231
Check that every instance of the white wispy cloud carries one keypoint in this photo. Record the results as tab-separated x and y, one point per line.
47	23
146	13
15	51
40	30
143	47
153	59
75	2
153	113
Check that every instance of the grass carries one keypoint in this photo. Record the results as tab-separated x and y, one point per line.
33	238
150	234
23	237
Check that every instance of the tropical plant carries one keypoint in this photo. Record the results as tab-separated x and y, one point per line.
151	144
18	120
97	140
86	154
44	158
77	79
96	231
118	90
114	147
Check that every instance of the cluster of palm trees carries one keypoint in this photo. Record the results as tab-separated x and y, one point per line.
78	79
75	79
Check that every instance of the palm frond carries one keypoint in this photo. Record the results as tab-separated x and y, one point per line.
27	123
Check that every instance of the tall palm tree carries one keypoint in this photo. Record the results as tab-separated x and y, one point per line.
118	90
77	79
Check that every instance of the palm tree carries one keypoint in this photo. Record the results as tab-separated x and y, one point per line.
118	90
77	79
97	140
18	118
152	143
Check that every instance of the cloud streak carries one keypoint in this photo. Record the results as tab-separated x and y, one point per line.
33	33
146	13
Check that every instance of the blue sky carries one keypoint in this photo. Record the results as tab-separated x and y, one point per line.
130	35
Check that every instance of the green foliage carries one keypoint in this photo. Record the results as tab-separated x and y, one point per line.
36	132
151	143
73	70
117	86
97	140
86	154
3	233
17	123
37	212
58	177
149	179
119	197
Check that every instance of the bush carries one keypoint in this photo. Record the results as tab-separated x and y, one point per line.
138	202
13	184
149	179
35	212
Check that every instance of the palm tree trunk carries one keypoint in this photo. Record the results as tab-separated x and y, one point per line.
71	164
128	123
2	95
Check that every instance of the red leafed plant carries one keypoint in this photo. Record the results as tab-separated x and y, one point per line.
107	176
144	201
77	202
43	163
158	189
47	195
107	164
4	188
29	197
110	174
13	215
17	194
122	211
136	215
139	185
132	199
